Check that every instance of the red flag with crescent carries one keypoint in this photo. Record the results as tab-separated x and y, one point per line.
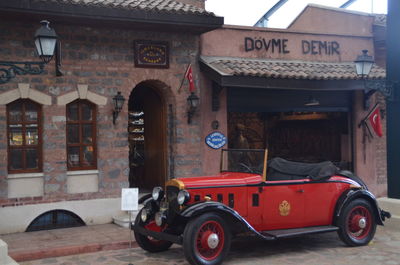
189	76
374	121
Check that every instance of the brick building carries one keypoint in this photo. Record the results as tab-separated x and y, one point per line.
59	148
75	160
295	91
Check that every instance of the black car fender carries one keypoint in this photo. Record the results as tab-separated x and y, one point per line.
231	216
352	194
144	198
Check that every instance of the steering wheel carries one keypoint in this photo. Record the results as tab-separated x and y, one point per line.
248	169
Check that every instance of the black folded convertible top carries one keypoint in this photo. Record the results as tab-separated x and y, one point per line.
281	169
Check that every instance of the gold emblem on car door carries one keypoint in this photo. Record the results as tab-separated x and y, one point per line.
284	208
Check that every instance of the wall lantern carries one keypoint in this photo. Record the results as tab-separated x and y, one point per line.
45	41
47	45
193	102
118	101
364	63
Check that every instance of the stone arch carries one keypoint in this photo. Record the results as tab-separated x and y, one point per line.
81	93
25	92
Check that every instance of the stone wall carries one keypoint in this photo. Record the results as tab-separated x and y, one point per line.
103	59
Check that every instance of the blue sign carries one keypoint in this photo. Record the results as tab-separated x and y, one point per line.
215	140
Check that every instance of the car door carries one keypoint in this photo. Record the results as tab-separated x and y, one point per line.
320	201
283	204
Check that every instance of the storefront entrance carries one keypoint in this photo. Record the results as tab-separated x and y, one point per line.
297	136
147	137
304	126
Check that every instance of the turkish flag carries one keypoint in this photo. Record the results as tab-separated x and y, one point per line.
374	120
189	76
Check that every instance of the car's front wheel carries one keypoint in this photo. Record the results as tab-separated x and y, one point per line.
357	223
148	243
206	240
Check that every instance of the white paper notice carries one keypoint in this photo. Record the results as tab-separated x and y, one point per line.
129	199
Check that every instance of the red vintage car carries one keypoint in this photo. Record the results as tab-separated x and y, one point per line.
271	199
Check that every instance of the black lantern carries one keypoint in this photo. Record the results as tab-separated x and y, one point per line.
193	102
364	64
45	41
118	101
47	45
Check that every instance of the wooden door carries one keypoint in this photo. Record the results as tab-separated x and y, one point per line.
155	139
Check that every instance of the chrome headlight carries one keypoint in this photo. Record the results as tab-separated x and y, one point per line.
157	194
143	215
183	197
159	218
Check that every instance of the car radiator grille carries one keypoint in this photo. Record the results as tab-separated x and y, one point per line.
172	193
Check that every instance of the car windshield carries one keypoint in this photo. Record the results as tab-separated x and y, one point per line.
243	160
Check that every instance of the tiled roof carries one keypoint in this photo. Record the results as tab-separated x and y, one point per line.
288	69
162	6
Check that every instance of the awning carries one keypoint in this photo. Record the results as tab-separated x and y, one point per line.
273	74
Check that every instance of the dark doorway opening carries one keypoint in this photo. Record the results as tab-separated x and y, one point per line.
55	219
147	137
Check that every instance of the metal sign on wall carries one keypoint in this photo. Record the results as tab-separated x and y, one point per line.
215	140
151	54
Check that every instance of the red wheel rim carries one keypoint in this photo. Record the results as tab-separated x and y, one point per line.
209	228
154	227
359	222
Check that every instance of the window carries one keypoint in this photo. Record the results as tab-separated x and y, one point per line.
24	129
55	219
81	135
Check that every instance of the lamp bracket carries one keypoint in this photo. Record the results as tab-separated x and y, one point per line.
9	69
385	87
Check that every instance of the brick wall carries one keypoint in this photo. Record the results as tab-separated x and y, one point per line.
381	153
102	58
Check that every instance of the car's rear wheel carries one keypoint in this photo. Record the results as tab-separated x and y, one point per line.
357	224
148	243
206	240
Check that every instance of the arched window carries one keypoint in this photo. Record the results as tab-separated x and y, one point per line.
81	135
55	219
24	129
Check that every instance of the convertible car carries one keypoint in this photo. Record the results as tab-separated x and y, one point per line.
271	199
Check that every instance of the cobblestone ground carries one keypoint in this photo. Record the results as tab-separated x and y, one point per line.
322	249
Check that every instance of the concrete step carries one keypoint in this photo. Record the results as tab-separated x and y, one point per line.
392	206
123	219
4	258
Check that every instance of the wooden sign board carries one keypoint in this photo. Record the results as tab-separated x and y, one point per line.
151	54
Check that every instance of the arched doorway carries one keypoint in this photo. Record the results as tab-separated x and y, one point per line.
147	137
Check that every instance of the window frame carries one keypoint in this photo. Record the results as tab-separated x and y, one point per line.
80	122
24	146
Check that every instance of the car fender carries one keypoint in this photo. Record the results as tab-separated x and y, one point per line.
144	198
352	194
203	207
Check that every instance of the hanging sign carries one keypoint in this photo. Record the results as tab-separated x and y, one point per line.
215	140
129	199
151	54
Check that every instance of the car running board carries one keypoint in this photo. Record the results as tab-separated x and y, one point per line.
299	231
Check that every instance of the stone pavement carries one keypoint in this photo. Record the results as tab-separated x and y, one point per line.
322	249
68	241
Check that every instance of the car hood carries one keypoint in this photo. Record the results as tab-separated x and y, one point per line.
225	179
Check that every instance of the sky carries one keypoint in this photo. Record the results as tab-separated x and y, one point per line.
248	12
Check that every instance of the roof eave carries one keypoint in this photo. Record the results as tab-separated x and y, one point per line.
196	23
224	80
